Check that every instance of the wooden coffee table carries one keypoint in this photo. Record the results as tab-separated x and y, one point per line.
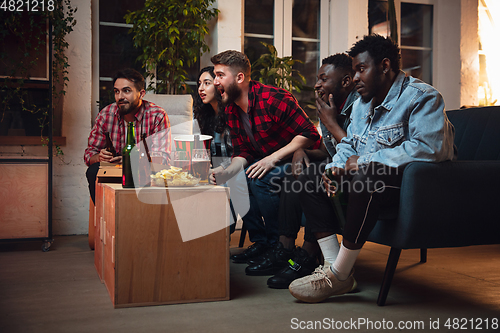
148	252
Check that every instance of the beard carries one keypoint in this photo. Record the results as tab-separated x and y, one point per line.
127	107
373	88
233	92
336	95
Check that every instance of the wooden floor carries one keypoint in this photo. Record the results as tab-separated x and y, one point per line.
59	291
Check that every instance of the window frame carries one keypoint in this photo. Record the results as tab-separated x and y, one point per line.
434	3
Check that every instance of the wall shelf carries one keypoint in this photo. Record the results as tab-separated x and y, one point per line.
29	140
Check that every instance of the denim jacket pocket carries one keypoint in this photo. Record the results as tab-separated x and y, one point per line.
390	136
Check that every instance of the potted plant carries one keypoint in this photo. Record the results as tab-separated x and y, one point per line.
275	71
22	54
171	35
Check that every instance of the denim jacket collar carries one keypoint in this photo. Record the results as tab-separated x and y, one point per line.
394	92
353	96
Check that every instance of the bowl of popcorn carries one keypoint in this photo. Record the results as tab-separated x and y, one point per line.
173	177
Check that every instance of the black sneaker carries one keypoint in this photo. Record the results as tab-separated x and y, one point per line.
274	261
259	259
301	265
252	251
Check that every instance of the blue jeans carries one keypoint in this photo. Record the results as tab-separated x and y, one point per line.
262	221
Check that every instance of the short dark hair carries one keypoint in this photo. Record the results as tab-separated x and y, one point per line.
340	61
234	59
379	48
131	75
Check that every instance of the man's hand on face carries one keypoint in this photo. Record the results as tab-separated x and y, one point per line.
326	113
300	161
107	156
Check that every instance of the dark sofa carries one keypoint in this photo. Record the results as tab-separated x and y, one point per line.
449	204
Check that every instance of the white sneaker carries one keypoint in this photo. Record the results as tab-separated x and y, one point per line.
320	285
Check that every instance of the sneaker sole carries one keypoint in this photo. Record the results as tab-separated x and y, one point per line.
272	271
354	286
278	285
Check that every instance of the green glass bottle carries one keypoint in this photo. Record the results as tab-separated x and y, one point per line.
339	199
127	177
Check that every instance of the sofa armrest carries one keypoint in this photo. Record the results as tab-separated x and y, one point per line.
453	203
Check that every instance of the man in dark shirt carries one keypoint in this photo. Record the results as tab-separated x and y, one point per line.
267	126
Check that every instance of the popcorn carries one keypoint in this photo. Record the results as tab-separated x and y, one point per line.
173	177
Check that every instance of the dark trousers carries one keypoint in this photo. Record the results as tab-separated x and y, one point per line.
318	208
261	220
290	211
91	178
372	190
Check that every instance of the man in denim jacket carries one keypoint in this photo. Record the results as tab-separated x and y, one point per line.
397	120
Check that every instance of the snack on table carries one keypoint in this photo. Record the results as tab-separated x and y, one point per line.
173	177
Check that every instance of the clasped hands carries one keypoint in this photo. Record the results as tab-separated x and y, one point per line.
258	170
350	166
106	156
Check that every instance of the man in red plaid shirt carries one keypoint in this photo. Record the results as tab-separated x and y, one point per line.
148	118
267	126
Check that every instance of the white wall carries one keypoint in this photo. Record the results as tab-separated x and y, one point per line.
227	31
348	24
456	62
71	196
469	56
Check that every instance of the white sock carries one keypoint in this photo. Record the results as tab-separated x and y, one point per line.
330	248
344	263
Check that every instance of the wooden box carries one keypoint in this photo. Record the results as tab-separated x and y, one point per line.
144	258
24	200
108	173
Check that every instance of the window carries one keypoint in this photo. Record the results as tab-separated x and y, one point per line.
294	28
116	49
259	27
415	24
489	52
24	77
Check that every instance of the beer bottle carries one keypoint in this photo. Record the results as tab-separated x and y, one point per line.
339	199
127	177
109	144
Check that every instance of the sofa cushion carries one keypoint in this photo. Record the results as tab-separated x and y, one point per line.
477	132
179	109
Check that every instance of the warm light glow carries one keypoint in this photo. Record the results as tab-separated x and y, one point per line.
489	77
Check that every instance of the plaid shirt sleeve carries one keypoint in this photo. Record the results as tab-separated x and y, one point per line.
97	140
151	119
276	118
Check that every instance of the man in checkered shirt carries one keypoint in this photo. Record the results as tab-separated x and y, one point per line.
148	118
267	126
